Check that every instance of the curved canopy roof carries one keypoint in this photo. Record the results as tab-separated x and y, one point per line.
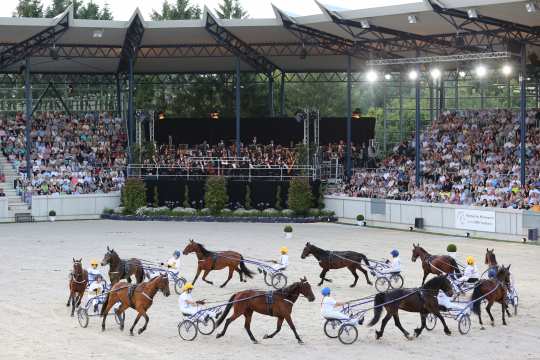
315	43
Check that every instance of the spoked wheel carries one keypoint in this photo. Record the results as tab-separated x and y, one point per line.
431	321
187	330
178	285
267	279
464	324
396	281
206	326
515	303
82	317
279	281
382	284
119	318
348	333
331	328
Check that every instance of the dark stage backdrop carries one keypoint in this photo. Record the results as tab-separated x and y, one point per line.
281	130
262	192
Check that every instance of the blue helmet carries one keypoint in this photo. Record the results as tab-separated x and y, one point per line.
394	253
325	291
176	253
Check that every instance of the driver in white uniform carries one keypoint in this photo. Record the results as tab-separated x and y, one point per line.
187	305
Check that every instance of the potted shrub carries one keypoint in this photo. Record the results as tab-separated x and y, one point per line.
288	231
360	220
452	250
52	215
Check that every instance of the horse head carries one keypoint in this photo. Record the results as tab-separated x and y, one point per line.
490	257
163	284
305	289
307	251
417	252
440	282
503	274
192	246
77	266
109	256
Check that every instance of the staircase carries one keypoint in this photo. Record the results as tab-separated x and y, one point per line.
18	210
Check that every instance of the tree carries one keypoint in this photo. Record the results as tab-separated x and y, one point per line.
183	10
92	11
300	196
59	6
231	9
216	197
29	8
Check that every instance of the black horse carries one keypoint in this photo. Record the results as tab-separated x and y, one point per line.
329	260
421	300
122	269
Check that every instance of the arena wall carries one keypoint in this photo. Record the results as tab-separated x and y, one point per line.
4	214
509	224
72	207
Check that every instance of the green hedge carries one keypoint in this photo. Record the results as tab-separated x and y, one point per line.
133	195
300	196
215	196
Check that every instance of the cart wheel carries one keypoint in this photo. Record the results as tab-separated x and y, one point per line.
464	324
267	281
382	284
279	281
348	333
119	317
396	281
187	330
331	328
178	285
206	326
431	321
82	317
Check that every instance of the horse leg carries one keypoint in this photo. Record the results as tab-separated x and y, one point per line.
204	277
147	319
504	309
233	317
424	278
323	273
379	334
418	331
105	312
446	329
488	310
134	323
480	317
293	328
196	275
73	303
400	327
365	274
247	324
69	298
352	269
240	273
231	272
278	328
119	312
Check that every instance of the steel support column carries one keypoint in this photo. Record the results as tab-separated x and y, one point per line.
130	115
271	96
482	95
118	97
28	120
349	117
456	90
385	122
237	106
431	100
508	94
522	112
417	128
442	95
282	95
400	107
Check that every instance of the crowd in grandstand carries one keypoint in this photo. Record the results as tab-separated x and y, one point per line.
469	158
70	154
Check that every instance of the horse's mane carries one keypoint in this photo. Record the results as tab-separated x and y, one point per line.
434	282
318	249
494	257
204	251
288	289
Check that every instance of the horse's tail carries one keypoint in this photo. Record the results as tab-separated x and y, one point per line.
377	308
104	306
454	264
476	295
366	261
244	269
226	311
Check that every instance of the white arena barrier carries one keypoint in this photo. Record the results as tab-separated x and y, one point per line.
74	207
4	214
493	223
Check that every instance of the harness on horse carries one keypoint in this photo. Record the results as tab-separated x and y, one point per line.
214	260
269	297
131	292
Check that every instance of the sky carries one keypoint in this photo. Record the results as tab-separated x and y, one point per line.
123	9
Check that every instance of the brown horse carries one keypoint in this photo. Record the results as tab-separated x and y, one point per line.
277	303
329	260
139	297
217	260
421	300
434	264
122	269
491	261
492	290
78	279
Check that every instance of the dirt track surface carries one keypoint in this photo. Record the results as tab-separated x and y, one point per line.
36	260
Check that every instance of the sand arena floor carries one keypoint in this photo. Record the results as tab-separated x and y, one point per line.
36	260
